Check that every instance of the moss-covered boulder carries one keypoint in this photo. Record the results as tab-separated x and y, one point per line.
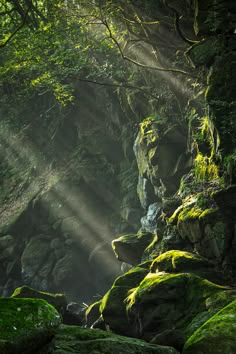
71	339
26	325
113	305
176	261
59	301
204	227
129	248
215	336
164	301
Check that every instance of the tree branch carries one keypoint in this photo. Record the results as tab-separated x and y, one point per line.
18	28
120	86
133	61
177	25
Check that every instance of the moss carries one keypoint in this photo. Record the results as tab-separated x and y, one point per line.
25	324
188	214
59	301
205	168
73	339
165	299
132	277
195	213
179	261
215	336
149	284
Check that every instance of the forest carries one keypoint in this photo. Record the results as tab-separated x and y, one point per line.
117	176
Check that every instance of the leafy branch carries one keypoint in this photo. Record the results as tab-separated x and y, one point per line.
18	28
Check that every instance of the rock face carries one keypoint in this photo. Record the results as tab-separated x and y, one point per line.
26	325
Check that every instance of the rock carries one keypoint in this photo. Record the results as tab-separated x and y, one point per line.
26	325
164	300
215	336
161	156
173	337
92	313
113	306
72	339
6	241
129	248
74	314
34	257
145	192
58	301
149	221
204	228
64	271
176	261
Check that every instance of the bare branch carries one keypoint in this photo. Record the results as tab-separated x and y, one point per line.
120	86
177	25
133	61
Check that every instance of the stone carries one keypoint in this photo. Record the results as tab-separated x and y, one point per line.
145	192
6	241
129	248
26	325
176	261
150	220
164	300
92	313
35	256
215	336
58	301
113	306
173	337
73	339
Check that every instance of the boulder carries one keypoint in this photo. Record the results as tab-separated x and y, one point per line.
58	301
113	305
176	261
215	336
129	248
26	325
72	339
164	301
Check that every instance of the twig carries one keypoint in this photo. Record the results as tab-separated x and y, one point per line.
18	28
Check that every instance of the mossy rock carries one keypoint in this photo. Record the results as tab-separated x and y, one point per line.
129	248
215	336
59	301
176	261
133	277
113	305
72	339
162	300
26	325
